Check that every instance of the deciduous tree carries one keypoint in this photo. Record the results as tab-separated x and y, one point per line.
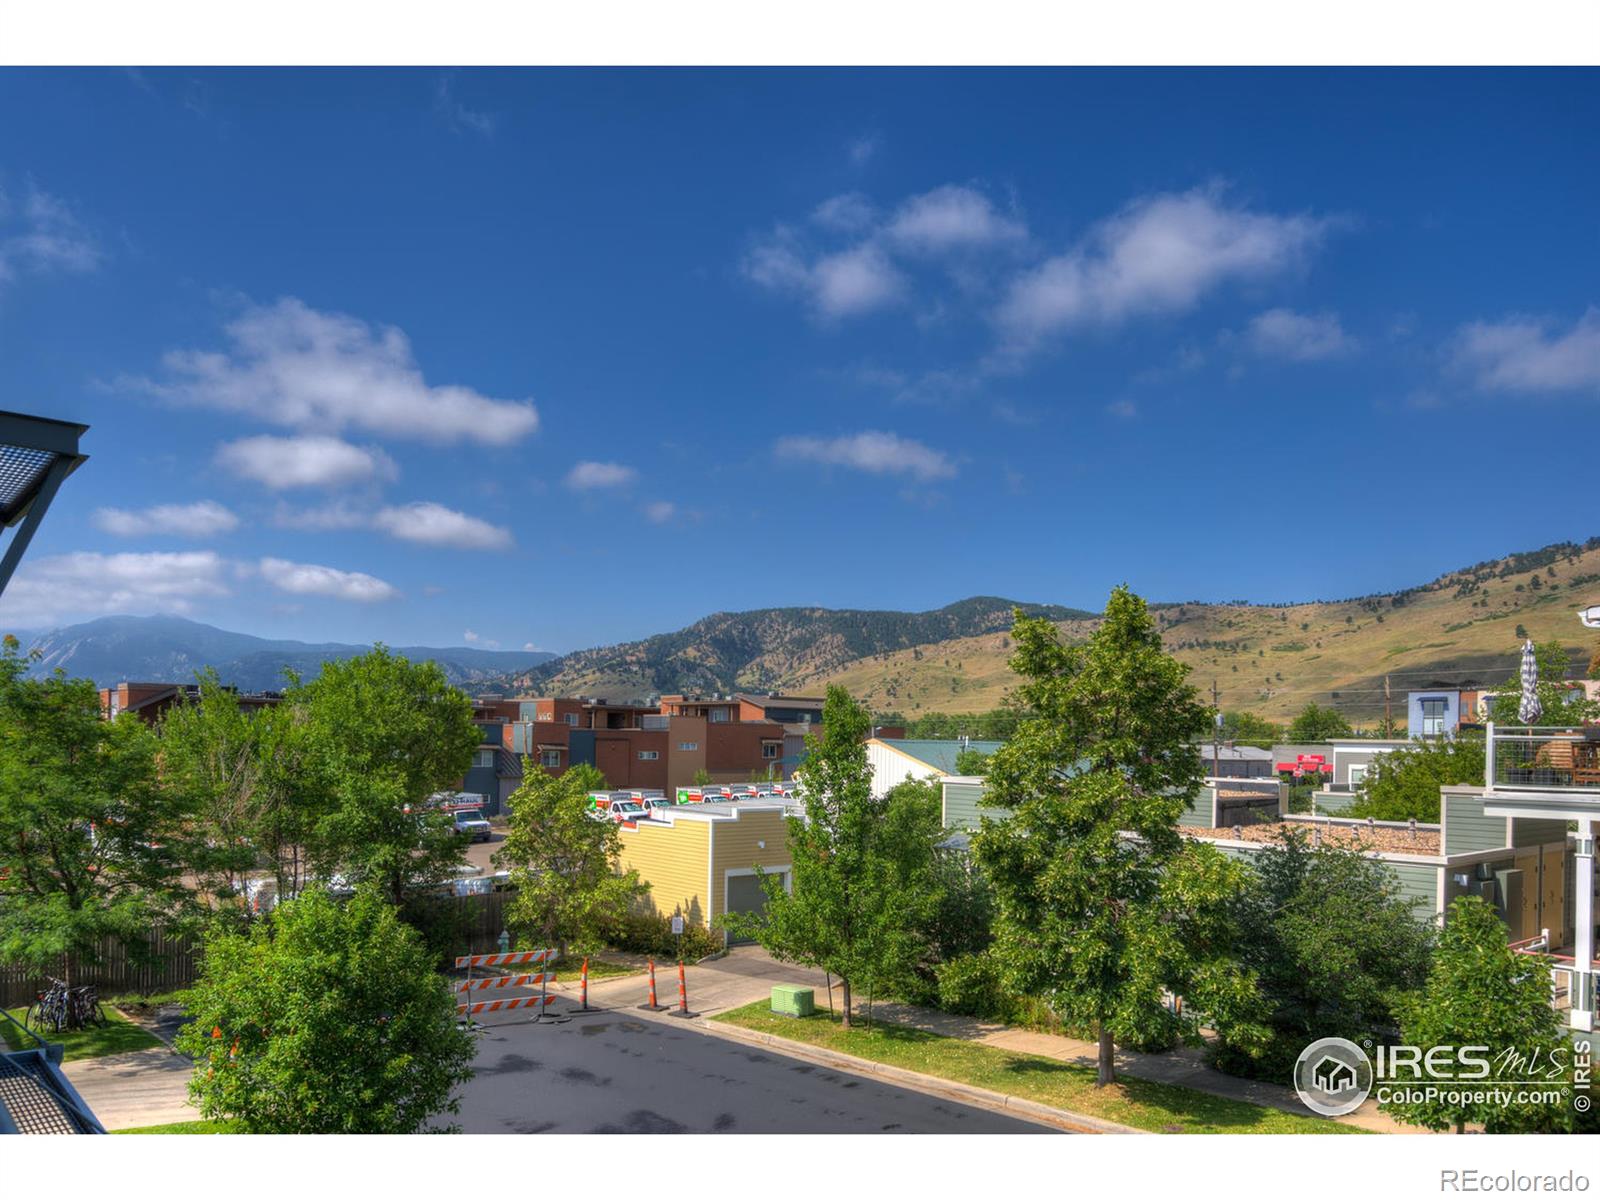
563	861
1316	723
381	735
1090	876
88	837
1480	993
326	1018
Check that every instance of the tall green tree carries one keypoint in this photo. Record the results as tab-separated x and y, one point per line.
1405	783
1481	993
326	1018
1334	946
1316	723
865	886
211	757
1087	869
88	836
381	735
564	863
1250	730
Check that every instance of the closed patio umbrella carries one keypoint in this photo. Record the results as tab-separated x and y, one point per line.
1529	709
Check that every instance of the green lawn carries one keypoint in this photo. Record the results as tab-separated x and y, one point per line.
181	1127
1157	1107
570	968
117	1037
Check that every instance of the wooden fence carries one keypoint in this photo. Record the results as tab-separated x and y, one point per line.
168	963
452	925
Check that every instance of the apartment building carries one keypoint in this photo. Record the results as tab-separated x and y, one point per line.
150	701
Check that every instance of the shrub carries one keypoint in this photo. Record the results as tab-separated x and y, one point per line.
646	933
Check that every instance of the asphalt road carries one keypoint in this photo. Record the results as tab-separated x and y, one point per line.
615	1072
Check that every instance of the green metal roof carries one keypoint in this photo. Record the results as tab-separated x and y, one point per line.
939	753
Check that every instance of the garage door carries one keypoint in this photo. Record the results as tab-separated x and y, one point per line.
745	894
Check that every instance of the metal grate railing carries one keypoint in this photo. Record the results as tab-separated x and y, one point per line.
1545	758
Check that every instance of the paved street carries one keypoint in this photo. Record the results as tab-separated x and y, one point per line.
616	1072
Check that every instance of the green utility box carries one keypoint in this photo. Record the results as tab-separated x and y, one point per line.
791	1001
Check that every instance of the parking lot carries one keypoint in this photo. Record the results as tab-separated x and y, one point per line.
619	1072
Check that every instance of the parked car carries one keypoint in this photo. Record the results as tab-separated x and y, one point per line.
626	810
471	824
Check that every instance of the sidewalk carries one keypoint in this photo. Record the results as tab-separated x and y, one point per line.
129	1091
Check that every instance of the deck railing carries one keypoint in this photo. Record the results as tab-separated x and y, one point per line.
1543	758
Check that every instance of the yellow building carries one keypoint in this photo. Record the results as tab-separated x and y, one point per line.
701	860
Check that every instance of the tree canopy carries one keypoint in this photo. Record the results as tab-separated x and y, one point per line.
328	1017
90	842
865	884
1479	992
1404	783
1316	723
1091	879
382	734
563	862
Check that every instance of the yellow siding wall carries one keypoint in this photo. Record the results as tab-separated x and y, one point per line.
735	845
672	859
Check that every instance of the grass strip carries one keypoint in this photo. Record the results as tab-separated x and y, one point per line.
118	1036
1157	1107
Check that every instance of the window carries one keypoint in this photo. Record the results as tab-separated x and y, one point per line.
549	758
688	746
649	755
483	758
1433	716
769	749
570	718
1357	774
719	714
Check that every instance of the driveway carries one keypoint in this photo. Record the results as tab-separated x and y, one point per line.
617	1072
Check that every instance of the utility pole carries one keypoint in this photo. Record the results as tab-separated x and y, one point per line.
1216	734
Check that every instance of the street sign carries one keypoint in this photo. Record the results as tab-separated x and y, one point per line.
677	926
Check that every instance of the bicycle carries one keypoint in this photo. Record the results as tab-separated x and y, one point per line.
62	1006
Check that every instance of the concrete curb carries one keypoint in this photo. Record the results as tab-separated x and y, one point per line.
965	1093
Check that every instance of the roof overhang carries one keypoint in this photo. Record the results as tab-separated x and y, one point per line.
1548	806
36	455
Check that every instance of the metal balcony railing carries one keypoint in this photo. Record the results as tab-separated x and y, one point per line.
1542	758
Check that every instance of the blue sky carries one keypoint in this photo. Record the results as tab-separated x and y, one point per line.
553	358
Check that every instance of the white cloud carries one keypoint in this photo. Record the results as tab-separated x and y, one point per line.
324	372
951	218
586	476
309	579
204	518
456	114
1159	254
1524	354
468	636
1300	337
53	590
295	462
39	234
848	213
435	525
847	283
1126	409
854	281
661	511
529	646
873	451
862	149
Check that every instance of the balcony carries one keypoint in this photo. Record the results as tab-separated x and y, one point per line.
1546	759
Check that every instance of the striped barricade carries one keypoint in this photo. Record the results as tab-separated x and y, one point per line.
488	1006
496	982
516	958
